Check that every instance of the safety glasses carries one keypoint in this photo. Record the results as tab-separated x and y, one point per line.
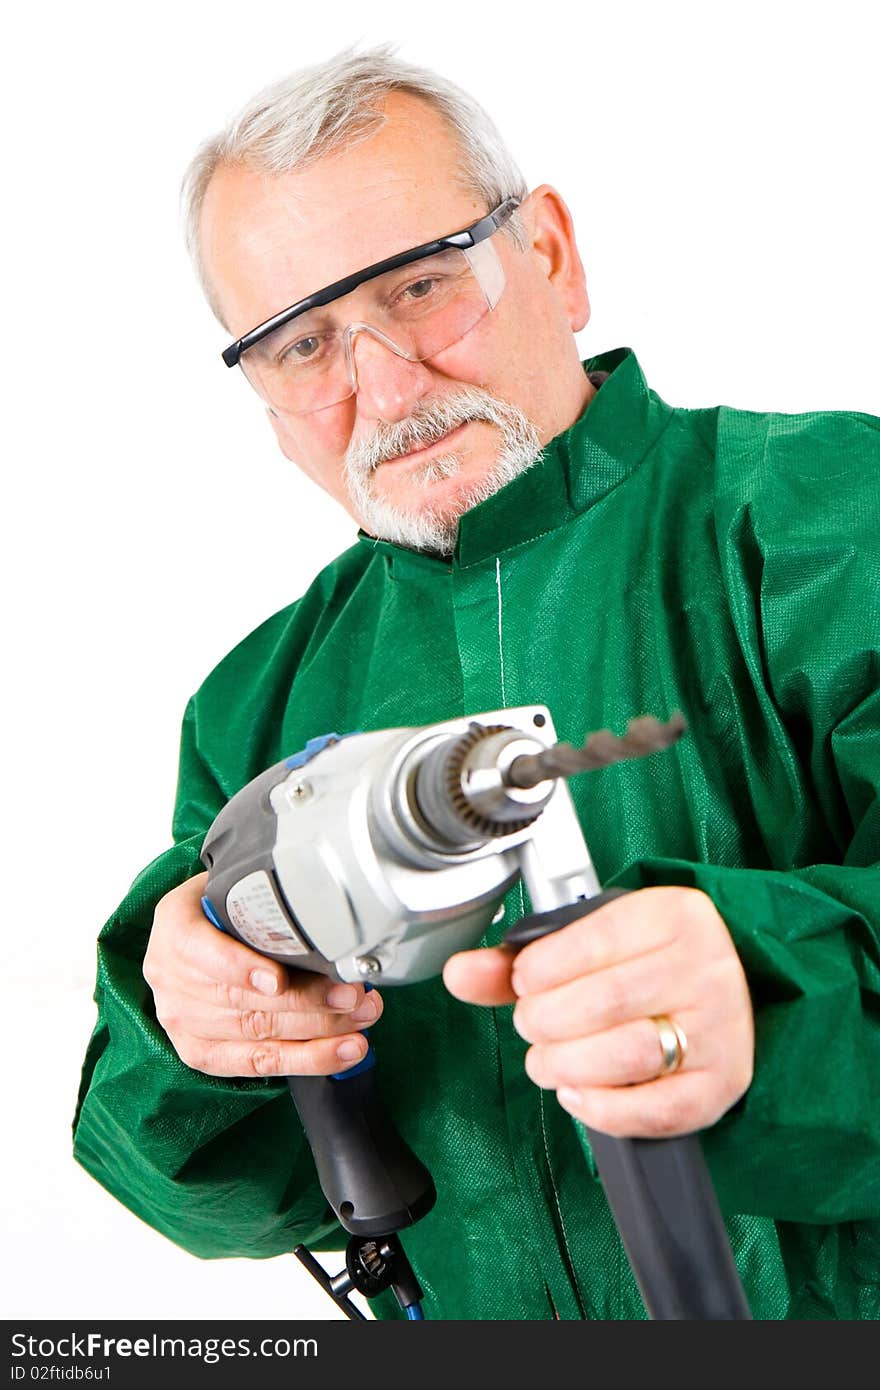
417	303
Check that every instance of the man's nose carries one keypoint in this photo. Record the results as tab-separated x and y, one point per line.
388	386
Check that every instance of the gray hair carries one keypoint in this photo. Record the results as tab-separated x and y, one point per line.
316	110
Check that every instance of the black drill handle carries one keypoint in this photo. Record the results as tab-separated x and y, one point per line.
370	1176
661	1195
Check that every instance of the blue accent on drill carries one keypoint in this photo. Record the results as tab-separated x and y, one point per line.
211	913
414	1313
363	1065
313	748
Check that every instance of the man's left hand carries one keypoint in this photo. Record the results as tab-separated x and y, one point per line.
587	996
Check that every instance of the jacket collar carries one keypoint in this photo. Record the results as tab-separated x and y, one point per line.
575	470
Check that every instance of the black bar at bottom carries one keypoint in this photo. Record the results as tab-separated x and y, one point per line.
663	1201
660	1194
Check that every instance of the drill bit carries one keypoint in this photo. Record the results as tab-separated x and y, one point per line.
643	736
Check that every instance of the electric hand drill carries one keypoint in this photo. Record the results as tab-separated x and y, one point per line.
372	858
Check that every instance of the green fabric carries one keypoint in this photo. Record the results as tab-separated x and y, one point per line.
718	561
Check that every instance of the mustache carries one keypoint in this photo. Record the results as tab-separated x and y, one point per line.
426	424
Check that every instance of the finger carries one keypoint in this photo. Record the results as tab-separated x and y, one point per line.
635	989
481	977
314	1057
625	927
223	960
624	1056
185	945
304	992
184	1017
671	1105
188	952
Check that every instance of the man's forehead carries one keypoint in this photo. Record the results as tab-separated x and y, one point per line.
269	240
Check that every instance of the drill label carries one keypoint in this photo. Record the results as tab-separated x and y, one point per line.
257	915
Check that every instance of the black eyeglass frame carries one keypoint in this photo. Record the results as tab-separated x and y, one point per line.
455	241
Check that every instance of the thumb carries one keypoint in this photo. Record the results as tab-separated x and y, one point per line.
481	977
188	936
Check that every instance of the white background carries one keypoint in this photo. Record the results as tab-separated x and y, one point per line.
721	162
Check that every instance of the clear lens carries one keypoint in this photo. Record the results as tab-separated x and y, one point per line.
418	311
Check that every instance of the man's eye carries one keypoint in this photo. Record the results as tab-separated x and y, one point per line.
419	289
303	350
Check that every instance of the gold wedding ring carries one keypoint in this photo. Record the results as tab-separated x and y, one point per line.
673	1043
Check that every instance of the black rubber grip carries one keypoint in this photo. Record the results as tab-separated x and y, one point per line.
370	1176
539	924
660	1193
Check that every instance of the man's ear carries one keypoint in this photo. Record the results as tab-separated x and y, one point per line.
552	242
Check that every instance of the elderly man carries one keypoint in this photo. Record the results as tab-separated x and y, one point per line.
532	528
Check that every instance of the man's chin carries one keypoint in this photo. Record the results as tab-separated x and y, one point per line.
420	519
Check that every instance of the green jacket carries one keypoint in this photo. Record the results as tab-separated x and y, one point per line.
718	561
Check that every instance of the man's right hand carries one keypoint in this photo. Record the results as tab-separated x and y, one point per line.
231	1012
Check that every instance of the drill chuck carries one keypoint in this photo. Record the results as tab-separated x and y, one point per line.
461	790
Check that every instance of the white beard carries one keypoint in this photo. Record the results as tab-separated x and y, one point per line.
435	528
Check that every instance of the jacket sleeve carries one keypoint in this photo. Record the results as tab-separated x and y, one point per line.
800	544
219	1165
